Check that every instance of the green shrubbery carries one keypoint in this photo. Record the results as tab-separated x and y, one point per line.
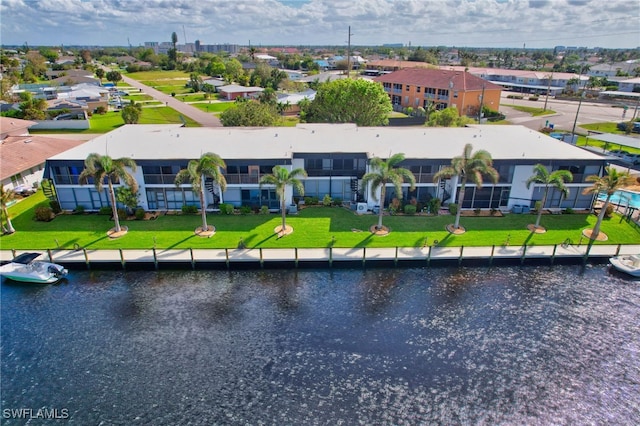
189	209
410	209
453	208
139	213
44	214
226	208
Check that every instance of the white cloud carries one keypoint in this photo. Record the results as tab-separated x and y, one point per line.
473	23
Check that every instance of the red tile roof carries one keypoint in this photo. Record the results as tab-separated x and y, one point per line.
437	79
20	153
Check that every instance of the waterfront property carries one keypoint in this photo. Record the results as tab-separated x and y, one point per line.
335	157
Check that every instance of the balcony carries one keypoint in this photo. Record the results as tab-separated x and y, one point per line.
243	178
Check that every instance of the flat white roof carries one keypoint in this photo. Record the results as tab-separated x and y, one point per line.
171	141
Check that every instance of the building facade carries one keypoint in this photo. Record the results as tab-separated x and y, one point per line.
421	87
335	157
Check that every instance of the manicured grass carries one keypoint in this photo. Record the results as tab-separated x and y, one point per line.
313	227
606	127
197	97
214	107
158	75
535	112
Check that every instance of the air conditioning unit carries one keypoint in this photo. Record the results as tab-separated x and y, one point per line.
362	208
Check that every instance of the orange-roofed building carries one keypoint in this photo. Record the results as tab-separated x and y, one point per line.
418	87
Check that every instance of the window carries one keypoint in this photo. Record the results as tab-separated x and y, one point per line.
418	89
407	88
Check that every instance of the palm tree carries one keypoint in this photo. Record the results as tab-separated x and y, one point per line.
100	167
383	173
556	179
470	165
612	181
197	171
281	178
6	196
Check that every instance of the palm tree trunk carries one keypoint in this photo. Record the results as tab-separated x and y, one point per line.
383	193
456	225
603	210
284	214
544	201
10	229
114	207
205	227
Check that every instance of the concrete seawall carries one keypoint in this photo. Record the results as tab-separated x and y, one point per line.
327	257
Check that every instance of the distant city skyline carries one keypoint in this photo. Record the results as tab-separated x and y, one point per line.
459	23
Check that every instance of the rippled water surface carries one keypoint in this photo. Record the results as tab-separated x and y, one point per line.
531	345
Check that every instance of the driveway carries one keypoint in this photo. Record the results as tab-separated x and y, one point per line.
205	119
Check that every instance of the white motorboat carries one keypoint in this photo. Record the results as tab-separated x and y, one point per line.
627	264
26	268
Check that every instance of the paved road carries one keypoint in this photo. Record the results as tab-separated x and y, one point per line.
565	113
205	119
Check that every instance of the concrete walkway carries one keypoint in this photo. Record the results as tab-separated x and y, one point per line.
203	118
329	256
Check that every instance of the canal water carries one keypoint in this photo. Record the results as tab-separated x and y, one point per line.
533	345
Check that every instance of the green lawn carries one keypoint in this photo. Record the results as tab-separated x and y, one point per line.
214	107
314	227
159	75
535	112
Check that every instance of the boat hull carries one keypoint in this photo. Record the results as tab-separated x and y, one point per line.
35	272
626	264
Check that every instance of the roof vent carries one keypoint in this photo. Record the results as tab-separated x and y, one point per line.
28	140
378	135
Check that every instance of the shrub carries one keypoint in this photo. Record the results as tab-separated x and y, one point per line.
394	206
533	98
326	200
337	201
139	213
186	209
568	210
79	209
244	210
493	211
44	214
453	208
410	209
226	208
55	207
476	211
538	205
122	214
434	205
264	210
105	211
101	110
609	211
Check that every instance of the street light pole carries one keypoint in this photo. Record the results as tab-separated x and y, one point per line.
573	131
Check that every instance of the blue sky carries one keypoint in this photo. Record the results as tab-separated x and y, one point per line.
460	23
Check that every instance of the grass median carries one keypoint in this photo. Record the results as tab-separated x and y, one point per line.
314	227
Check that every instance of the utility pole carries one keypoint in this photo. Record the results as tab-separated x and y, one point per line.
481	102
548	90
349	53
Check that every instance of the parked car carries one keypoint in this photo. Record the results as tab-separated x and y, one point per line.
632	158
623	126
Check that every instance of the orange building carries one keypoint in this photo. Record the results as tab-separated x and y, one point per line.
419	87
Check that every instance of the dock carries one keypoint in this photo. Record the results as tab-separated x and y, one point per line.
328	257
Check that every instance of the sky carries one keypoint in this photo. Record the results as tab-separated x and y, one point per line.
459	23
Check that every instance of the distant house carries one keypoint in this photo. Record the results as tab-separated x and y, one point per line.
290	101
215	82
233	91
420	87
23	156
323	77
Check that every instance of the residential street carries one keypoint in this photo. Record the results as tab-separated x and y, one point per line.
565	113
205	119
